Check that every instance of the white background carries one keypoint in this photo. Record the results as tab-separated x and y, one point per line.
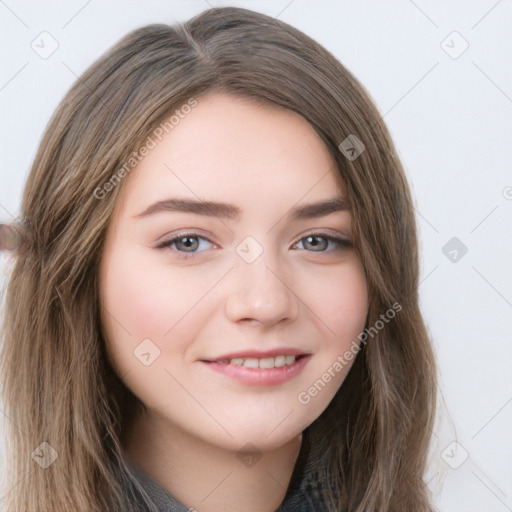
451	120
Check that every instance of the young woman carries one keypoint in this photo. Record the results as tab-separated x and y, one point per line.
215	303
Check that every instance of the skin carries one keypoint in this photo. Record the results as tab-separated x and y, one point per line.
265	160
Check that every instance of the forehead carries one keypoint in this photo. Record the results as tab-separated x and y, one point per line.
234	149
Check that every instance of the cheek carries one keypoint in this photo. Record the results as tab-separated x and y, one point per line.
341	303
145	299
142	302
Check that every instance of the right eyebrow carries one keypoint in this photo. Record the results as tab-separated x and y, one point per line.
210	208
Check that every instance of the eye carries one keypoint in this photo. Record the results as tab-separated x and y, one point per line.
189	244
186	243
320	242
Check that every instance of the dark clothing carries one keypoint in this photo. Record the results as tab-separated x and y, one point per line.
304	493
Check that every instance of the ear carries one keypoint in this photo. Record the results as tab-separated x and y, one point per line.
12	237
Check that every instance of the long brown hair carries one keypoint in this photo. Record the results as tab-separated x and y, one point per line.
58	385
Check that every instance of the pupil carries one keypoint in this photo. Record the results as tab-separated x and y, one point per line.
188	242
316	241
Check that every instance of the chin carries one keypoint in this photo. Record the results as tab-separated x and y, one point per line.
258	439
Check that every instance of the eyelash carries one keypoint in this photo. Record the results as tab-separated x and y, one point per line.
166	244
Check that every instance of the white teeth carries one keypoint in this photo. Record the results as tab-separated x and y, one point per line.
265	362
289	359
280	361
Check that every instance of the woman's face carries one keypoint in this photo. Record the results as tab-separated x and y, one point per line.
256	275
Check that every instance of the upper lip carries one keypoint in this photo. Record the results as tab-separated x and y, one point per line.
260	354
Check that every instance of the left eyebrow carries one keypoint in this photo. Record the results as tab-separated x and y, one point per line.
314	210
229	211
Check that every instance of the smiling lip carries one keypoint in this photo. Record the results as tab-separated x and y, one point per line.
260	376
258	354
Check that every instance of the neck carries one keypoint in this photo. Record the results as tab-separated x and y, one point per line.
207	477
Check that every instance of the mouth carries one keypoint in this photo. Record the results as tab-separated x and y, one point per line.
263	363
260	371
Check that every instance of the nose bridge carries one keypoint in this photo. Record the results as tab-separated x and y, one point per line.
260	289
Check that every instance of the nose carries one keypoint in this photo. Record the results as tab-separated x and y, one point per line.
261	292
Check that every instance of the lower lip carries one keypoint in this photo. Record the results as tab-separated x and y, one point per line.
258	376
